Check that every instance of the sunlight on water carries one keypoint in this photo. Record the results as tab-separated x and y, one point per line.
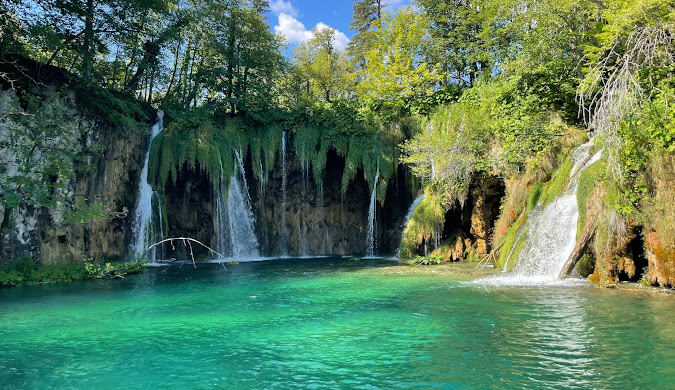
330	323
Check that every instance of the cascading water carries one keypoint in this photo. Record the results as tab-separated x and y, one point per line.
148	230
241	221
240	161
221	222
408	216
370	238
234	219
411	210
283	244
551	230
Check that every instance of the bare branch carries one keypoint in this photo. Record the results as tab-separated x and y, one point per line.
187	242
611	89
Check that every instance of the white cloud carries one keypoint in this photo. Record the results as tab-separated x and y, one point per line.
280	6
341	39
292	29
295	31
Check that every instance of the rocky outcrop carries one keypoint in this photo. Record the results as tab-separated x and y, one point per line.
105	164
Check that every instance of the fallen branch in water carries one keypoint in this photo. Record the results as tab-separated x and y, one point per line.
187	242
492	255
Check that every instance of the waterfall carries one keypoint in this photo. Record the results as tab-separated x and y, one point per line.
408	216
411	210
240	161
551	230
370	238
220	222
241	221
234	221
304	242
145	232
284	248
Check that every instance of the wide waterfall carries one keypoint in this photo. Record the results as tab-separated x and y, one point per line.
551	231
147	228
370	238
234	221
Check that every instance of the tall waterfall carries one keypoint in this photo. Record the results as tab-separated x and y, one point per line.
551	231
221	221
148	230
370	238
234	219
283	243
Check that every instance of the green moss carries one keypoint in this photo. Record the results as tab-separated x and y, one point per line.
558	184
202	141
513	243
427	219
588	179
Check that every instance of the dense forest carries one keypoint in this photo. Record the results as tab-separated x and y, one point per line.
459	91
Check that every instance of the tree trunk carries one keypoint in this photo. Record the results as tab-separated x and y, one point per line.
175	69
88	46
579	249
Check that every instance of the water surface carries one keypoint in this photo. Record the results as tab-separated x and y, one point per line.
331	323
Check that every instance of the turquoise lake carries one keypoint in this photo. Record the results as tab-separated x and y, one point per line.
327	324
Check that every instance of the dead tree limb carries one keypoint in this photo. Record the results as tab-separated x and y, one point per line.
490	256
186	242
579	249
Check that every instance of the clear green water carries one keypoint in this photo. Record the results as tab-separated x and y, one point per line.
329	323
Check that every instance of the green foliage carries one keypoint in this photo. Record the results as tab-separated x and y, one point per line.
589	179
426	221
116	109
42	146
395	68
98	271
26	271
200	140
84	211
493	128
323	66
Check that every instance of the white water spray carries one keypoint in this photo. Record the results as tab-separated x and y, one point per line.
234	221
408	216
241	220
370	238
550	232
284	248
144	233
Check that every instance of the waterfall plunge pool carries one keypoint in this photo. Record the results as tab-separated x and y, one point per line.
331	323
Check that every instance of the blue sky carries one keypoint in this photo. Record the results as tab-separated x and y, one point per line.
294	19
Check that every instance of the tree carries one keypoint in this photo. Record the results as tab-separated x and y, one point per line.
324	68
84	29
365	19
395	67
460	47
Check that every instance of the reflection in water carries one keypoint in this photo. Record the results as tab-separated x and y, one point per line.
329	323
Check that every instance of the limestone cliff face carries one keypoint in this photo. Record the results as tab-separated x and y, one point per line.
111	179
319	219
106	163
